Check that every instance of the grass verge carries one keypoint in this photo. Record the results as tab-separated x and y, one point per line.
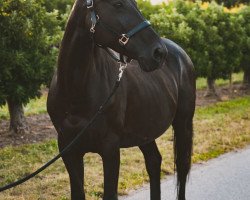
218	129
201	83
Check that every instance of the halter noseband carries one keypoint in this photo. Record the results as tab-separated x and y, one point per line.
123	38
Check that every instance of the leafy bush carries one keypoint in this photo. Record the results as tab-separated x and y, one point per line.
60	5
230	3
147	8
214	17
217	40
212	35
28	35
63	8
245	61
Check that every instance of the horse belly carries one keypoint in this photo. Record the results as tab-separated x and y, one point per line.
146	123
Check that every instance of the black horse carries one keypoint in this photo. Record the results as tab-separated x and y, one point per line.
144	106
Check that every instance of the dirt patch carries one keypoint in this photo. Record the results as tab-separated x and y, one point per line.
224	93
41	128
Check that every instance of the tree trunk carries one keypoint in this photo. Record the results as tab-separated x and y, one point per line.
246	79
210	88
18	122
231	83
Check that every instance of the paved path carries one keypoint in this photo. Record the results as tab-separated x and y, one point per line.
224	178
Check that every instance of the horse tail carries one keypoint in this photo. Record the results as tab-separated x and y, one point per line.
183	145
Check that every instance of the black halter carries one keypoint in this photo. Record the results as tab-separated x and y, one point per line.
123	38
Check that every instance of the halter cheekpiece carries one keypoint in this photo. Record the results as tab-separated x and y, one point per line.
124	37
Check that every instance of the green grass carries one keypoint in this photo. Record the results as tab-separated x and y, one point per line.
218	129
201	83
35	106
236	106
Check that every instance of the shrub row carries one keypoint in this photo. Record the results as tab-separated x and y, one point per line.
216	38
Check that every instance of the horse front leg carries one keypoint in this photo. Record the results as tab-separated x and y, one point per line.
111	163
74	166
153	165
73	162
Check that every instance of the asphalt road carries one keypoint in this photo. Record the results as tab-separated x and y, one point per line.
224	178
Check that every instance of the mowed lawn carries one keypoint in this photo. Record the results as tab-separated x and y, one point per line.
218	129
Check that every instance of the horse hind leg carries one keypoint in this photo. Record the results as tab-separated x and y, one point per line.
153	165
183	142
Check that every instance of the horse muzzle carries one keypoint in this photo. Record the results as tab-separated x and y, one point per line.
154	58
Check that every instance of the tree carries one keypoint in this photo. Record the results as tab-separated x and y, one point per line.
171	24
217	42
230	3
211	35
245	62
196	30
233	35
28	36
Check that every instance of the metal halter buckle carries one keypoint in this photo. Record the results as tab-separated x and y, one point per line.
90	4
92	29
124	39
122	67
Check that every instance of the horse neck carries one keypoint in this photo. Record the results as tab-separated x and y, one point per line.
77	62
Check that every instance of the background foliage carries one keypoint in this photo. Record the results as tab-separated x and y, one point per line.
216	38
28	39
244	14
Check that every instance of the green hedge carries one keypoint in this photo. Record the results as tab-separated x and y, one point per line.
245	61
217	39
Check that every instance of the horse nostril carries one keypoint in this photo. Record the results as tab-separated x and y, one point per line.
159	54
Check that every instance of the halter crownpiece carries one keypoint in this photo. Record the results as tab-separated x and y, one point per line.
123	38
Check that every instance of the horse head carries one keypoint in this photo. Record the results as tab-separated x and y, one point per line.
119	25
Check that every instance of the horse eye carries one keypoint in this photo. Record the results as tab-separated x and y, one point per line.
118	4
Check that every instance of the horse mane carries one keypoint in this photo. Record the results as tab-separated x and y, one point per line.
72	30
78	50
